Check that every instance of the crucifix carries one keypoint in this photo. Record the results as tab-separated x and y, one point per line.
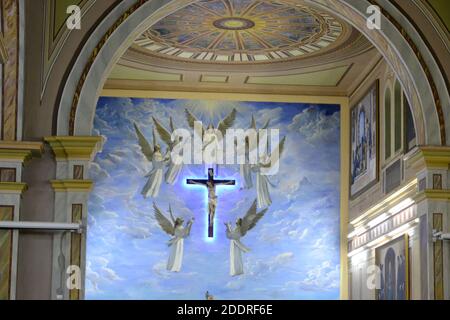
211	184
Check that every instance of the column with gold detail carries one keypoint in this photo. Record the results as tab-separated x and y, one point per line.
433	205
13	155
72	188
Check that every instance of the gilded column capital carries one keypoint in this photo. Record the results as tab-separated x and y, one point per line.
430	157
13	187
72	185
19	150
74	147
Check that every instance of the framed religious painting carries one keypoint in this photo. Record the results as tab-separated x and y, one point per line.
364	157
392	259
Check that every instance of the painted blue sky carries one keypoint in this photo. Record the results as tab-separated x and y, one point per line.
294	248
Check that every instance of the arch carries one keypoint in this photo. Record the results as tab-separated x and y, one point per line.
125	22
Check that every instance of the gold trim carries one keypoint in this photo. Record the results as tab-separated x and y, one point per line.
407	267
430	194
72	185
344	202
225	96
20	151
15	155
80	148
431	157
13	187
3	51
391	241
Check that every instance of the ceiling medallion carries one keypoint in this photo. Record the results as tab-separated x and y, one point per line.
233	23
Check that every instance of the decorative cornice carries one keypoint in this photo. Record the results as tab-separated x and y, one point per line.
408	190
72	185
430	157
19	150
74	147
13	187
431	194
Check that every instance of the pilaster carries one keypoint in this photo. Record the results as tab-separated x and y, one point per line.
13	156
433	205
72	187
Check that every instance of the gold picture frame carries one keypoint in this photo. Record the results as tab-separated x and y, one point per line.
392	260
360	182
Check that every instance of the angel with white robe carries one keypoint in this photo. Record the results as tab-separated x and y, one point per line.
175	167
245	168
175	228
262	170
212	141
154	155
243	225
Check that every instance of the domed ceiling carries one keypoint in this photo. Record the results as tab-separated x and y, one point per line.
242	31
245	46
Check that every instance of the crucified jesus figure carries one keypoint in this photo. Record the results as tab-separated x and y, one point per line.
211	184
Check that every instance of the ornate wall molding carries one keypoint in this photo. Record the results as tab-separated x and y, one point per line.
92	58
55	37
10	27
428	73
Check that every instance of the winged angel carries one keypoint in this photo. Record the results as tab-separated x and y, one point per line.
212	142
175	228
263	169
243	225
245	168
155	156
175	167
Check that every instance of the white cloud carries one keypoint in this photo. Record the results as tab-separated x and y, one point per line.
320	278
315	126
98	273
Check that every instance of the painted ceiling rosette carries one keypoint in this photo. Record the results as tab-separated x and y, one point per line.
241	31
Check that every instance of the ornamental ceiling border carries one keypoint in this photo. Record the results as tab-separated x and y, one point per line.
354	46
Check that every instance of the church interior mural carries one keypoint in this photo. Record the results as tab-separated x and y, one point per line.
128	252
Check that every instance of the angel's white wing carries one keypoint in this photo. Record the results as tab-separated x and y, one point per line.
251	218
253	123
146	147
266	125
165	134
276	154
171	125
191	119
227	122
163	222
171	214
